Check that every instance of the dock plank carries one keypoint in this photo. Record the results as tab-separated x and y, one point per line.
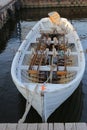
32	127
50	126
59	126
42	126
70	126
3	126
4	2
81	126
21	126
11	126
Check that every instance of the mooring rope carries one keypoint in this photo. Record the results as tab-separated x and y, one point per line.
28	104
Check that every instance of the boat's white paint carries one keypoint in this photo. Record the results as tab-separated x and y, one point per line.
54	94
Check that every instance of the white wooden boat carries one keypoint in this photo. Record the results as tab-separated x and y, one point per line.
49	64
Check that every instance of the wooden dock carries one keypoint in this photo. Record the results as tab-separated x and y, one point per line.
53	3
6	8
44	126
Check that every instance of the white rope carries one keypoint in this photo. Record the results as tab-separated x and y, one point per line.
25	113
28	105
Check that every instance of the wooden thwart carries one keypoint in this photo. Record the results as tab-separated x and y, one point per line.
61	59
61	72
33	72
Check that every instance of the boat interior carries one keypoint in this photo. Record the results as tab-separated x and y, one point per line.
51	59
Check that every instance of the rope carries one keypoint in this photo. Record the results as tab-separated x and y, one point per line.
28	105
52	68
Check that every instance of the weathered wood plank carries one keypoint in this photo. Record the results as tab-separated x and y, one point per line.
42	126
70	126
21	126
58	126
32	127
50	126
3	126
11	126
81	126
54	3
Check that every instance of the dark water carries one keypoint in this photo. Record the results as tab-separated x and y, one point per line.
12	104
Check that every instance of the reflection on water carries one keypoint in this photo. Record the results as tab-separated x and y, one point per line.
70	13
11	29
75	108
5	34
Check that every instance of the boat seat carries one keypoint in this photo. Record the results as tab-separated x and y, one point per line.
61	73
33	72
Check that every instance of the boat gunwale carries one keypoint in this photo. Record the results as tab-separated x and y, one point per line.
20	50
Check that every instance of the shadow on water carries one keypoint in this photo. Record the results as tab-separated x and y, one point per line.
5	34
70	13
69	111
7	31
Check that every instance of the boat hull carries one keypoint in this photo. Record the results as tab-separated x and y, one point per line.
46	100
45	104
